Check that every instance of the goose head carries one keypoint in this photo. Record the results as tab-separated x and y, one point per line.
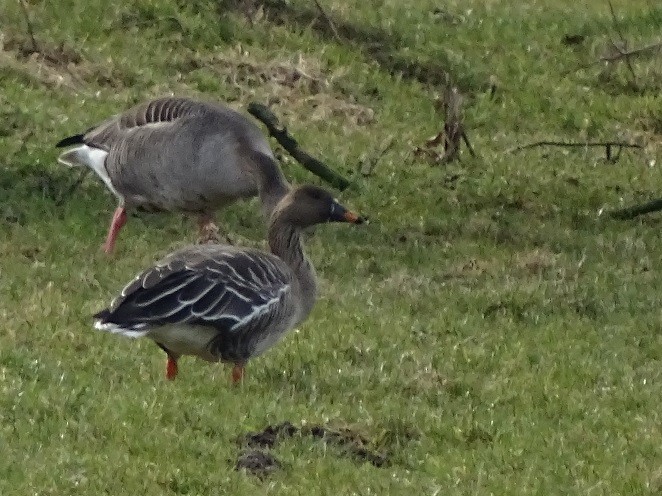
309	205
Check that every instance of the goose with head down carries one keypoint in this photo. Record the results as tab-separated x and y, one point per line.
225	303
173	154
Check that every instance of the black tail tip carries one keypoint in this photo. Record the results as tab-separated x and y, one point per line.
71	140
102	315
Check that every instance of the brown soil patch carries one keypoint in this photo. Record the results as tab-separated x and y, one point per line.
254	459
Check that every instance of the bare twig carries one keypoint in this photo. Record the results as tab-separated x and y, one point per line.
454	129
453	133
66	193
453	126
629	53
262	113
621	144
632	212
328	19
465	138
623	41
368	166
24	8
619	53
607	145
616	56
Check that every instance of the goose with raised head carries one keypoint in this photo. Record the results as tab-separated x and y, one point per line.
173	154
225	303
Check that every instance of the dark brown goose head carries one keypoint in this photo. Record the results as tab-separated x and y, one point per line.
309	205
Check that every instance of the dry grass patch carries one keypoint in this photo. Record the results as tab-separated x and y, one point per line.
535	262
298	85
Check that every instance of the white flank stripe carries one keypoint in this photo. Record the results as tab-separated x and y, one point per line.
116	329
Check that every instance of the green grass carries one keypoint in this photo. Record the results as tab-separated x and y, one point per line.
488	329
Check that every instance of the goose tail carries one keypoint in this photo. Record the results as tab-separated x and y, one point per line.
71	140
84	155
101	323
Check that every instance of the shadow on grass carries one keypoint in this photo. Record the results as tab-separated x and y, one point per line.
27	189
20	186
376	44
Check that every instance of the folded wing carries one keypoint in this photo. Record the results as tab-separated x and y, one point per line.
229	291
149	115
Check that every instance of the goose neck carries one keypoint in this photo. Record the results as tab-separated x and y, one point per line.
285	242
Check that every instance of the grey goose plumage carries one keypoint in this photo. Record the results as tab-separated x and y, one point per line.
173	154
223	303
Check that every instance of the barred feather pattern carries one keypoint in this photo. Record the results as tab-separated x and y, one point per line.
245	295
154	112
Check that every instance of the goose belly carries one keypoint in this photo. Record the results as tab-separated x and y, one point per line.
186	340
192	186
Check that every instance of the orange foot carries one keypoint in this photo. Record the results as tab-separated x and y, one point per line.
171	368
237	373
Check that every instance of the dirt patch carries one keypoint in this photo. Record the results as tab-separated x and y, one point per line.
268	437
55	65
44	63
54	54
254	459
536	262
258	463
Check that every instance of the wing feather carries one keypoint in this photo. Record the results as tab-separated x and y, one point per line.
231	291
162	111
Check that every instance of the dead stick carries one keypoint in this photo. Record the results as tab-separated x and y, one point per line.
622	144
628	53
621	54
329	21
632	212
466	142
35	48
288	142
623	41
72	187
367	170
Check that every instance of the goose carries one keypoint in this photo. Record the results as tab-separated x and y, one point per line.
226	303
172	154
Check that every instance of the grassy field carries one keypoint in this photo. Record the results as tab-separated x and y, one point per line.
489	332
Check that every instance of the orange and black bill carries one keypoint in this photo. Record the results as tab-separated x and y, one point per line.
341	214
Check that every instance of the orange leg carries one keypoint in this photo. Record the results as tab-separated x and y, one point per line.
119	219
237	373
171	368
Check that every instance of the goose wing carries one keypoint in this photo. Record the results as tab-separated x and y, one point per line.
156	114
229	290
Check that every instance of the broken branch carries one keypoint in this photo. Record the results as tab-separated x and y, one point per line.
588	144
629	53
632	212
453	133
329	21
24	8
368	166
623	41
69	190
287	141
